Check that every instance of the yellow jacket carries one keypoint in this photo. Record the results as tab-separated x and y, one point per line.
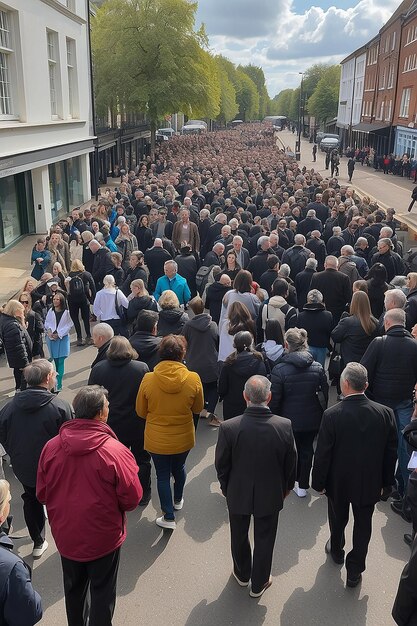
167	399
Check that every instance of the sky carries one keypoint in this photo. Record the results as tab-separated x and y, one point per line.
286	37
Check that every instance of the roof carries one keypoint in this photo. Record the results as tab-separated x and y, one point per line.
370	128
402	9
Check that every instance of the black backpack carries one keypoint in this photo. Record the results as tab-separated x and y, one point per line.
76	288
201	278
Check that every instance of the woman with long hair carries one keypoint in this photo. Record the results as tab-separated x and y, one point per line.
241	292
239	318
117	272
126	243
16	341
58	324
143	233
231	266
168	399
34	325
76	247
297	380
272	348
376	279
238	367
81	292
139	300
108	305
355	332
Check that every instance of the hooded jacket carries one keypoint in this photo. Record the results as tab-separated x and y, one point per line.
167	399
27	422
87	479
277	308
171	321
296	379
202	347
146	345
317	322
232	381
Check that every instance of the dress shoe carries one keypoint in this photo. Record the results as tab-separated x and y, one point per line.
258	594
339	560
408	539
353	581
398	507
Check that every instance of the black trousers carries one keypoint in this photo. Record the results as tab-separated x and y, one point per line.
256	567
101	577
210	396
74	310
142	457
338	511
305	452
34	515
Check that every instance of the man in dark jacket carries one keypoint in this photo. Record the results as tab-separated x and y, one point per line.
354	460
296	256
102	263
145	340
102	334
303	282
334	286
310	223
155	259
188	264
214	295
259	263
27	422
391	362
392	261
317	246
257	488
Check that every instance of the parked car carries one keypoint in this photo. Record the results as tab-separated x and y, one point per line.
168	132
329	143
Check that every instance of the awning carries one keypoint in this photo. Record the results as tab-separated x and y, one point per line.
366	127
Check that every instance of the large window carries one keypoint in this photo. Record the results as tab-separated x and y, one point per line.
6	70
65	186
10	220
53	68
72	79
405	102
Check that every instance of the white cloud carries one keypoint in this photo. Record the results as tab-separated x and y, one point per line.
272	35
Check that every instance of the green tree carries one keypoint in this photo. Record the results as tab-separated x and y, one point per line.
247	97
228	105
257	75
148	57
281	103
323	102
294	107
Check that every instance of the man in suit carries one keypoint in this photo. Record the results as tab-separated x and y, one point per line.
257	488
334	286
354	461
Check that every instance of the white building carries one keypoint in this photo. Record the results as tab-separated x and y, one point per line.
351	92
46	129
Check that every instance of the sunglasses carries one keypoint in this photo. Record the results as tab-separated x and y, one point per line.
24	302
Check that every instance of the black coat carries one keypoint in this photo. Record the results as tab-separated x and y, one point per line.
258	264
202	347
318	248
404	610
16	342
267	280
318	323
35	331
146	345
122	380
376	295
188	265
102	266
356	451
131	275
296	379
171	321
138	304
214	298
411	308
256	462
296	258
336	291
232	381
392	262
302	286
38	414
101	353
352	338
155	259
391	362
309	224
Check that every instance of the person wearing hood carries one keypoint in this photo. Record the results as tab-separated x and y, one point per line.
296	382
27	422
19	602
171	317
145	340
121	364
214	295
238	367
276	308
87	517
202	338
318	323
168	399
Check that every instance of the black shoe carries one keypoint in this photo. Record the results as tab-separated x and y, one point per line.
353	581
398	507
146	498
339	560
408	539
387	493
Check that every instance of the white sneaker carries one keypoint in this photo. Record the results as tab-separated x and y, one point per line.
178	505
301	493
164	523
37	552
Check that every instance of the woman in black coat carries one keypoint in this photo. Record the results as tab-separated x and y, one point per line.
140	300
355	332
144	234
297	380
121	374
171	317
376	280
318	323
16	341
243	363
34	323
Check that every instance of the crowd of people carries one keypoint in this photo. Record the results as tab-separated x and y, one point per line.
215	282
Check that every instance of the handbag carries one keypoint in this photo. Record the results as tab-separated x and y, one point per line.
120	310
335	364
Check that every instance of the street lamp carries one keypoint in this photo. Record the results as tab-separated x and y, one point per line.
300	104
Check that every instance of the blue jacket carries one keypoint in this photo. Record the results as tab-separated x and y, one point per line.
40	268
19	602
178	285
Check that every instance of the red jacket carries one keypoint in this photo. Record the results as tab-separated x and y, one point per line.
87	479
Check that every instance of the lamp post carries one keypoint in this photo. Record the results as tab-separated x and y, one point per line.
300	104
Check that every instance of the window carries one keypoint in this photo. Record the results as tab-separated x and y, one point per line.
72	79
53	68
6	58
393	40
390	83
411	34
405	102
383	78
389	111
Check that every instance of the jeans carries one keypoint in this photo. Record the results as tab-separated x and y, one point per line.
318	354
403	412
165	466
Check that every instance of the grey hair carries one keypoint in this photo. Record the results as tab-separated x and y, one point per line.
36	373
356	375
262	240
395	299
171	262
257	389
336	230
299	240
347	251
89	401
395	316
296	339
103	330
387	242
237	238
315	296
311	264
331	261
386	232
284	270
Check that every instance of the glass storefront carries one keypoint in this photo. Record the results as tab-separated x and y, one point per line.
65	186
16	208
406	142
